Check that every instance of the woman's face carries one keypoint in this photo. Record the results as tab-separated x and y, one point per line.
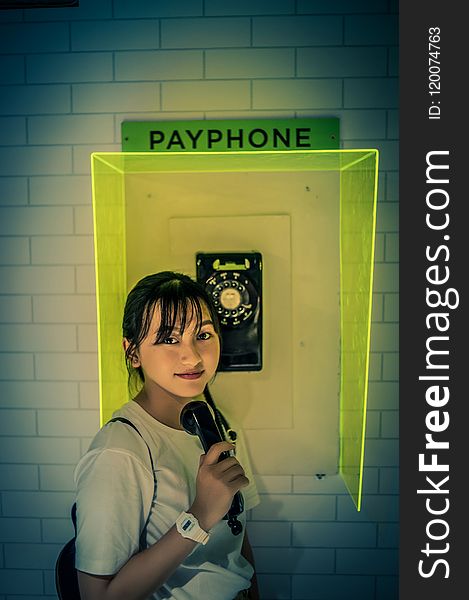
181	364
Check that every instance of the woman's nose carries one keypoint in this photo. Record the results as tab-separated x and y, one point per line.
190	355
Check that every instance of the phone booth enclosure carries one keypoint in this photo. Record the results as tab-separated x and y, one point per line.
311	214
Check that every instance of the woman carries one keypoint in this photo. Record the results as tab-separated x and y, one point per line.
133	539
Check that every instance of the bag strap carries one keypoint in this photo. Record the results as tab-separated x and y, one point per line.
127	422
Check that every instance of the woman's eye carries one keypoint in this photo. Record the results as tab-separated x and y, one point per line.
170	340
204	335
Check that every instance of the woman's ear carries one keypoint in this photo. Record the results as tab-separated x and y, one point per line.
133	356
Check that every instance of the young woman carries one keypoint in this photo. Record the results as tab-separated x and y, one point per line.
133	540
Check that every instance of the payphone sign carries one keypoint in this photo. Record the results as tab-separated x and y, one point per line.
230	136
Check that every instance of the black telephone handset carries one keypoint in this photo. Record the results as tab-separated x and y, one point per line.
197	419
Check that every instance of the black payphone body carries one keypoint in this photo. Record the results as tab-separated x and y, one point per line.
234	281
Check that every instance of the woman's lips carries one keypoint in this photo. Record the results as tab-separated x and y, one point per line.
190	376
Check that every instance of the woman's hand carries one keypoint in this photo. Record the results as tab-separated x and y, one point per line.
217	483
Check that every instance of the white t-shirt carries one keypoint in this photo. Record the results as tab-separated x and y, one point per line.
116	492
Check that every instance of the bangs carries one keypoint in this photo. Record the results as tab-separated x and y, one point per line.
177	308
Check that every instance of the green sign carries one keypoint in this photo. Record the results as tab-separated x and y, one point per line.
234	136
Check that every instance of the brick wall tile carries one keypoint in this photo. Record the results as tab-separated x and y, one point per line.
33	337
274	586
16	366
13	191
87	338
149	8
58	478
334	535
20	530
387	587
84	223
62	250
377	561
252	63
68	423
15	309
375	30
21	581
30	556
375	367
31	450
393	61
389	480
13	131
18	477
205	95
297	31
382	453
115	97
387	217
65	308
391	366
269	534
34	99
386	278
391	308
249	7
17	422
341	6
36	280
159	65
86	282
33	37
14	250
294	560
371	93
283	507
89	394
355	124
385	337
388	535
297	93
115	35
393	125
205	33
67	366
341	62
392	247
69	67
35	220
390	424
331	587
69	189
38	394
71	129
11	69
35	160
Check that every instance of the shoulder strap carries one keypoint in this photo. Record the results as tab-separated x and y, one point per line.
127	422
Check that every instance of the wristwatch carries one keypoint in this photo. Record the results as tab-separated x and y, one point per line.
188	526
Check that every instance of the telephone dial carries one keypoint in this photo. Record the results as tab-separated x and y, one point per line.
234	281
197	419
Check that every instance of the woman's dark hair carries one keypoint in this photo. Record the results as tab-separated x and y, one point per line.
178	297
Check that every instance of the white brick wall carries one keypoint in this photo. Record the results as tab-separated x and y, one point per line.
68	77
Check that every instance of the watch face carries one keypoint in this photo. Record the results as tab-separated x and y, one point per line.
187	525
234	296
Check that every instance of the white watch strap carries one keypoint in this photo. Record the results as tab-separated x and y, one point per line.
188	526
